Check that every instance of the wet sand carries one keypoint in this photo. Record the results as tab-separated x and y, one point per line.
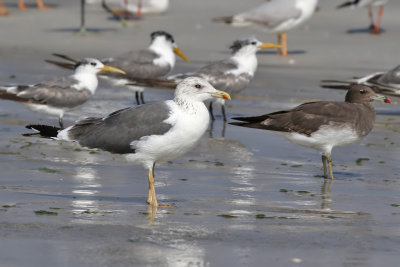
243	197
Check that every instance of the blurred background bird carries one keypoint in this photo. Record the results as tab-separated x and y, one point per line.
375	27
275	16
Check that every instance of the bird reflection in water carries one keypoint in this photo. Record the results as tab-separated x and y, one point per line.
87	183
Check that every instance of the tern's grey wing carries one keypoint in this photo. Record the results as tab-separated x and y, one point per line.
220	75
117	131
137	64
63	82
56	93
271	13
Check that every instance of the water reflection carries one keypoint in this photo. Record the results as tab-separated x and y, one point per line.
326	194
177	245
86	179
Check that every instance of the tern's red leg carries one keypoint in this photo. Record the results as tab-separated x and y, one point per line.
371	17
21	5
3	9
377	28
41	5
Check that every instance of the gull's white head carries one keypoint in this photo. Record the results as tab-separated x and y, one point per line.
198	89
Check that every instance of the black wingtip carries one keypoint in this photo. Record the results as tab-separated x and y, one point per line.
346	4
335	86
64	65
237	123
65	57
43	130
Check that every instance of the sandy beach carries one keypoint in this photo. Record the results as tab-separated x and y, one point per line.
243	197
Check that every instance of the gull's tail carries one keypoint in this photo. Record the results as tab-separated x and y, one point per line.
43	130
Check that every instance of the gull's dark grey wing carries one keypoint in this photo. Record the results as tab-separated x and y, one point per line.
117	131
137	64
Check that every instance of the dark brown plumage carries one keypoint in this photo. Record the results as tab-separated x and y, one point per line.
323	125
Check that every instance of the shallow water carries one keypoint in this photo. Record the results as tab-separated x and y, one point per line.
243	197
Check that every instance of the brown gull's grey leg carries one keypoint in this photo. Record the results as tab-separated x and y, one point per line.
324	165
329	159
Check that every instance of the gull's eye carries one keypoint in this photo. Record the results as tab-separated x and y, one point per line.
198	86
93	63
253	43
362	91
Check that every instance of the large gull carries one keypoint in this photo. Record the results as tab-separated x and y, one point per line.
323	125
150	133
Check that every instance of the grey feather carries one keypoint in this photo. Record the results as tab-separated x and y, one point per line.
115	132
137	64
218	75
56	93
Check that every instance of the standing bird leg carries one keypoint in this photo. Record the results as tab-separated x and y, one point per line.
152	199
141	97
371	17
3	9
21	5
282	40
137	98
41	5
329	159
324	165
377	26
139	9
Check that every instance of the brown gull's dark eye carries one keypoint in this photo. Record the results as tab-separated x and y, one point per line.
362	91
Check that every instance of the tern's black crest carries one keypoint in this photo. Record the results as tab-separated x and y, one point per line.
168	36
238	44
85	61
